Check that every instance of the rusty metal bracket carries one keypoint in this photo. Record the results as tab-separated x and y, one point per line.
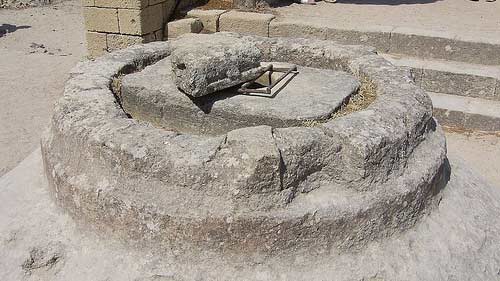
267	91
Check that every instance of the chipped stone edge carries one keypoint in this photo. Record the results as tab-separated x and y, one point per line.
88	117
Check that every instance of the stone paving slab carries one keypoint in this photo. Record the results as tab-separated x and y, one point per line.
312	94
466	112
464	20
492	71
454	78
463	31
183	26
245	23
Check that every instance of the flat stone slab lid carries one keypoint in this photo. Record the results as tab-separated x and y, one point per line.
312	94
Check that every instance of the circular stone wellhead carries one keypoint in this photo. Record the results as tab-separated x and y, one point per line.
346	153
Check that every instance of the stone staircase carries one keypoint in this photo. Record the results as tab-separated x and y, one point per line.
462	75
465	95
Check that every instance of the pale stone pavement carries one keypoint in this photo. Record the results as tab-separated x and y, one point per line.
480	151
457	19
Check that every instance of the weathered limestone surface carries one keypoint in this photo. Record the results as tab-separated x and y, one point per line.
209	18
283	28
183	26
101	19
96	43
312	95
415	42
467	113
140	22
255	4
294	27
124	23
246	23
459	240
461	84
205	64
119	41
124	4
336	186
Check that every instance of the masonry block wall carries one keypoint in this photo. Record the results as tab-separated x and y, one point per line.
116	24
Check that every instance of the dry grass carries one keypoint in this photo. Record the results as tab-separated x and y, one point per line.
361	100
311	123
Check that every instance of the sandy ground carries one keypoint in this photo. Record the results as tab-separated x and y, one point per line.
464	19
34	62
481	152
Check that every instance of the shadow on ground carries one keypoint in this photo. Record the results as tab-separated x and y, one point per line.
386	2
9	28
284	3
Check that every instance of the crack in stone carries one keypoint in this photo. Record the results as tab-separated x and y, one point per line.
217	149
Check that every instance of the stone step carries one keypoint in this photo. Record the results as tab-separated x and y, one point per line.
466	112
421	43
390	39
450	77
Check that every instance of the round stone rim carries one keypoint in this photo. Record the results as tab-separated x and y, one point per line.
89	131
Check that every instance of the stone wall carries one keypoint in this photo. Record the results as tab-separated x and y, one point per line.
115	24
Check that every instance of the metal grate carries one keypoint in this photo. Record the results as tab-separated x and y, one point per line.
267	90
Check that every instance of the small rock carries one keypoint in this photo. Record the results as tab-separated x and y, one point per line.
43	257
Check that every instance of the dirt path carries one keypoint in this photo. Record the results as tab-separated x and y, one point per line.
38	46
